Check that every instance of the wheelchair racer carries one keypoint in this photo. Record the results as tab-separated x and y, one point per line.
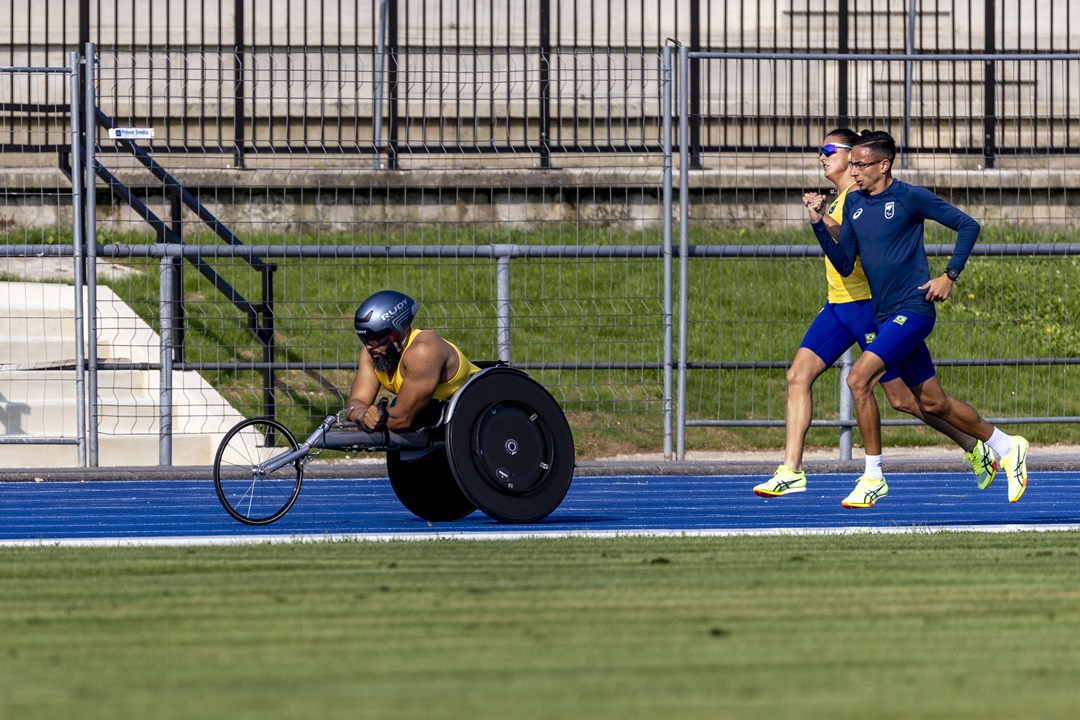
418	366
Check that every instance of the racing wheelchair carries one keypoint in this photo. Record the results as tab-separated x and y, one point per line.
502	445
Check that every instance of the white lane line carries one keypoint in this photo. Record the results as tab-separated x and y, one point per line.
205	540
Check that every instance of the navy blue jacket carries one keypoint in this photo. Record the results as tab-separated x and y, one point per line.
886	232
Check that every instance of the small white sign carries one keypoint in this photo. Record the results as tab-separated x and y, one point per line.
131	133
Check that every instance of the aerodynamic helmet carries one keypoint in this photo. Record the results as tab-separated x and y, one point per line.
385	317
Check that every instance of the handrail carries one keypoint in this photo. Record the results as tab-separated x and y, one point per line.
186	197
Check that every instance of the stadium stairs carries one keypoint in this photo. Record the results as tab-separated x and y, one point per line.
38	385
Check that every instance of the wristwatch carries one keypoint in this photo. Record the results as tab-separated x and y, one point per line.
952	273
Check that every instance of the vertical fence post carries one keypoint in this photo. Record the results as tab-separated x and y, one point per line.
177	277
84	39
846	361
665	84
78	239
90	125
909	48
392	84
842	46
239	114
990	89
502	255
165	352
695	86
380	63
545	84
266	332
684	244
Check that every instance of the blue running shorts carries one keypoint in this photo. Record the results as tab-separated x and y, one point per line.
901	345
838	327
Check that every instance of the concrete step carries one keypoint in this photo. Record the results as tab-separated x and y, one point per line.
113	451
35	323
57	417
121	333
116	416
37	399
37	350
38	385
38	298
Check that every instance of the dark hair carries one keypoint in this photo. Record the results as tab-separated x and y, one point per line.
845	135
880	143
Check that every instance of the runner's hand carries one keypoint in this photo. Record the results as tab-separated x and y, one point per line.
815	203
938	289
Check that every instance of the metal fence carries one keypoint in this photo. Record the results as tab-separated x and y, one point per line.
228	290
42	368
743	308
539	83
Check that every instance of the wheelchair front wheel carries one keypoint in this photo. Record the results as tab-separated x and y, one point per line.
251	496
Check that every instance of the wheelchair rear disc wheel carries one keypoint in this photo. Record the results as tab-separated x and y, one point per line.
425	485
250	496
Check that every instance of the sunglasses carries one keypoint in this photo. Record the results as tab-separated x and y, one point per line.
829	149
374	340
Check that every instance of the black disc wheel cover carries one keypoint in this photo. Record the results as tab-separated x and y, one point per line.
510	447
425	485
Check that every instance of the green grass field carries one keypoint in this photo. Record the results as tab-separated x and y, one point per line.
924	625
608	310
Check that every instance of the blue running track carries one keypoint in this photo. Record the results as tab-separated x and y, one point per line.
187	511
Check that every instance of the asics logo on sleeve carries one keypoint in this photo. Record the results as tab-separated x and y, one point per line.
857	214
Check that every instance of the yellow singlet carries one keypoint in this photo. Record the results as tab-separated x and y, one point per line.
854	286
465	370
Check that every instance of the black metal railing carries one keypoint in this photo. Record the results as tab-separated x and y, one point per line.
541	78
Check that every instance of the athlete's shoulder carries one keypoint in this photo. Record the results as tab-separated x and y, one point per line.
425	340
854	203
855	198
914	193
429	346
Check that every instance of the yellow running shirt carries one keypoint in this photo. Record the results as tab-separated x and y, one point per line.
465	370
854	286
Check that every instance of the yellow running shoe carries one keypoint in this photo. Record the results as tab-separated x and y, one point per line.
1015	466
784	481
982	464
867	491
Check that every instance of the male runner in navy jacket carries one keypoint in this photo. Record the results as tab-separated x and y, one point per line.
883	227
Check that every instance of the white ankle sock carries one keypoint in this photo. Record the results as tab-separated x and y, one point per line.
873	467
1000	443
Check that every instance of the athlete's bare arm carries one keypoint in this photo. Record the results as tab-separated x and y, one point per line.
815	205
429	362
364	389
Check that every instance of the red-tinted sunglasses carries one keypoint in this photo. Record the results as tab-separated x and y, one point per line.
375	340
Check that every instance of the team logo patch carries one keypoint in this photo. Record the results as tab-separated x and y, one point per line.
870	337
857	214
890	210
900	319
